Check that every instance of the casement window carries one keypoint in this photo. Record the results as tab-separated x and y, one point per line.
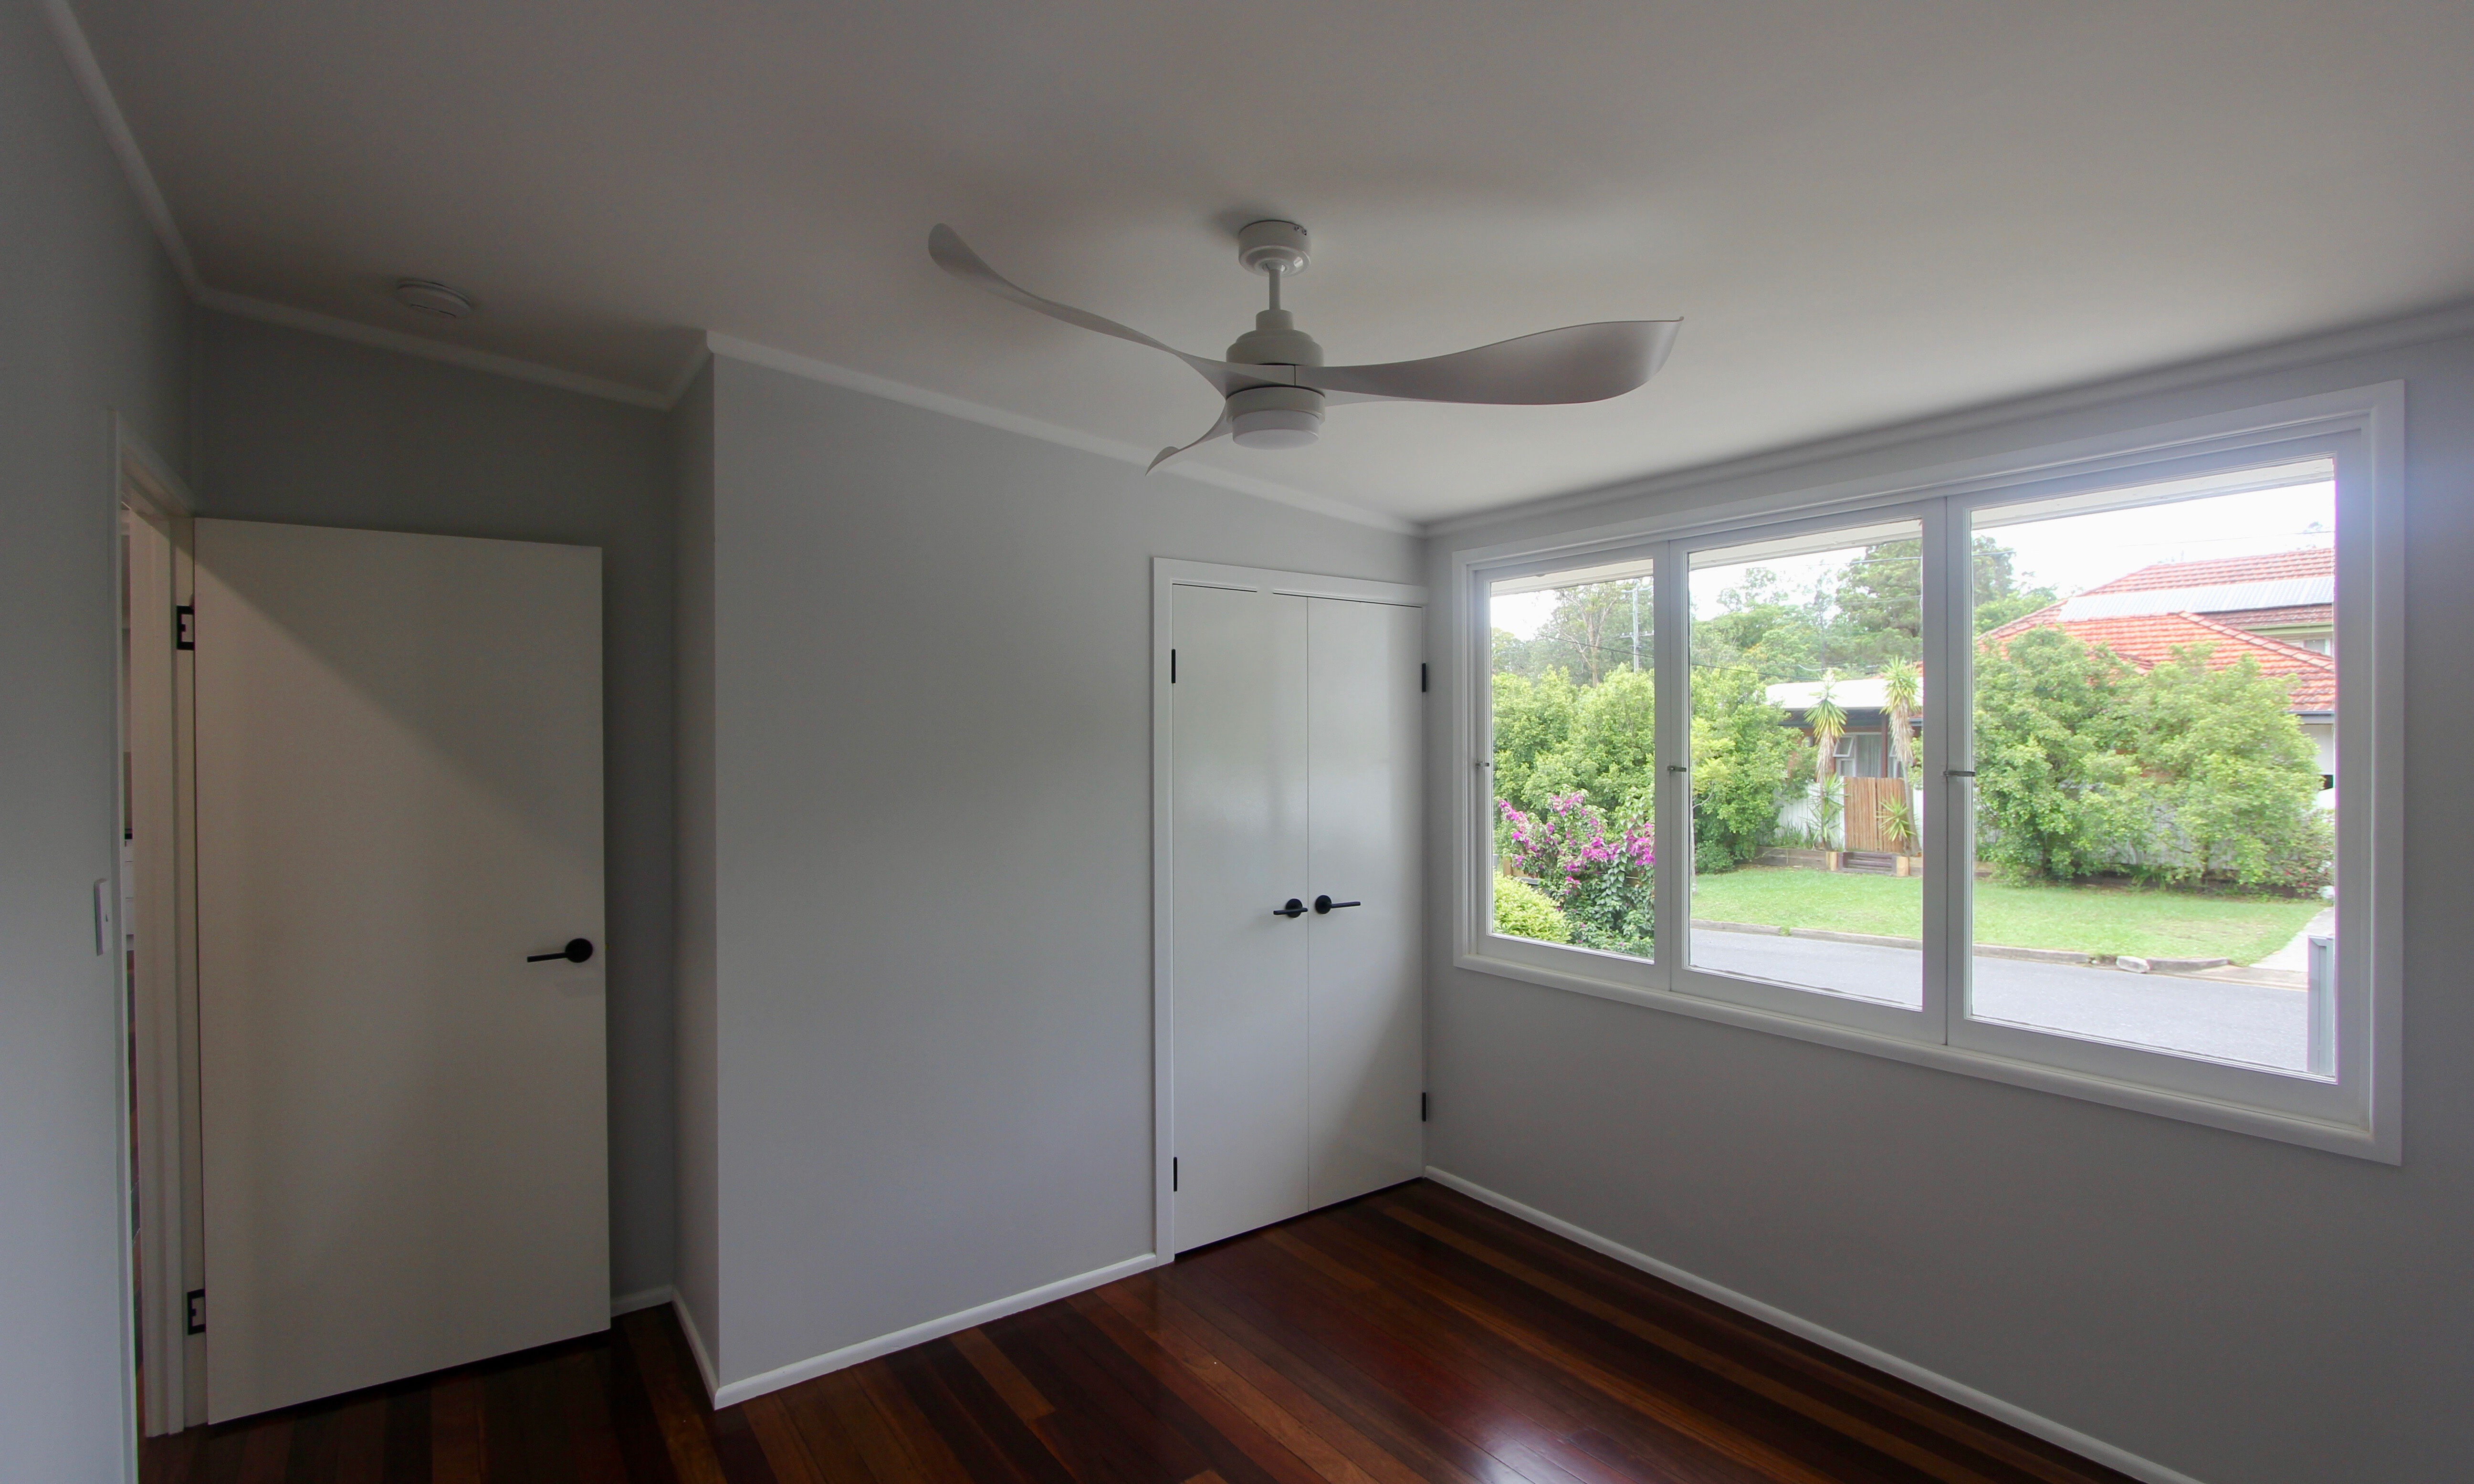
2016	768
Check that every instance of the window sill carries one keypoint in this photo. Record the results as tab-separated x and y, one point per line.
2351	1139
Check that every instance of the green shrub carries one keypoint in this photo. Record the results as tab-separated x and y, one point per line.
2180	774
1522	910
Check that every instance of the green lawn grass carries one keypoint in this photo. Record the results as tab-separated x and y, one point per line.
2150	923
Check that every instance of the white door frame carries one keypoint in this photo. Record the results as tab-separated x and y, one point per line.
162	1001
1167	573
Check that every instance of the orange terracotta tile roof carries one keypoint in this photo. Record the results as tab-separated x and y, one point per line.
2221	571
2148	640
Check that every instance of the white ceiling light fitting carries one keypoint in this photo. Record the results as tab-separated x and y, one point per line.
431	297
1276	387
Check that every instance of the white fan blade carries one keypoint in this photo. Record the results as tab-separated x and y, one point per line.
1219	429
1576	364
955	255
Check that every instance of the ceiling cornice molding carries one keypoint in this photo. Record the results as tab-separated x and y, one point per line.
79	56
465	356
843	377
2439	323
88	72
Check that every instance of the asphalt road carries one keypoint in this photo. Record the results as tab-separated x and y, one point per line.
2246	1023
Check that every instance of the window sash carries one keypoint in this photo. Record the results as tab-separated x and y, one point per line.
2338	1115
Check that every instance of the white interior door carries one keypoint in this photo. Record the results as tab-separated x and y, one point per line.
1363	761
1293	762
398	773
1239	790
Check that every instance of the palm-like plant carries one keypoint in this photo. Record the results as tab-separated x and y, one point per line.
1828	720
1903	685
1895	819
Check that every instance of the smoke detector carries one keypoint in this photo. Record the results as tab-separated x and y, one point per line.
431	297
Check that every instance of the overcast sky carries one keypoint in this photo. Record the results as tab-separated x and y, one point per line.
2070	554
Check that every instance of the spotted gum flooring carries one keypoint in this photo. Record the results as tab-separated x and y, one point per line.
1410	1335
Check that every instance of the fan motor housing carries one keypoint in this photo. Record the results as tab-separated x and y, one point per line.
1275	341
1274	417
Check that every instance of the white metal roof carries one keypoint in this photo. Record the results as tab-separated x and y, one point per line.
2220	598
1865	692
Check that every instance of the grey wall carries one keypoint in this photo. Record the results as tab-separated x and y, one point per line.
932	723
2244	1311
92	322
304	429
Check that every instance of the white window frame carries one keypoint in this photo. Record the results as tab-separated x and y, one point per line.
2360	431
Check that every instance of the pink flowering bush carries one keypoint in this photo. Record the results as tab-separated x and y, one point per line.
1602	879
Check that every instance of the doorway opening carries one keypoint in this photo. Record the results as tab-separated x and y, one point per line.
152	922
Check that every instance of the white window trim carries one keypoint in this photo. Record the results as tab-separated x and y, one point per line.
2360	1115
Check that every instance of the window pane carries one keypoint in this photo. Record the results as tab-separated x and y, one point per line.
2156	757
1575	767
1808	699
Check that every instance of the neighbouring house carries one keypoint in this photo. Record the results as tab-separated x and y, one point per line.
2278	609
1863	749
1868	799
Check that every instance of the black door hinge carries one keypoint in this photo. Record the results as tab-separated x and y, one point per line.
1171	666
1422	677
1421	1108
1172	1171
197	1311
184	627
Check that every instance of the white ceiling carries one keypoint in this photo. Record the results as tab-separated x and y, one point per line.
1864	212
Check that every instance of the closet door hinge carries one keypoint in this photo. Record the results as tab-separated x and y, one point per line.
184	627
1171	666
1421	1108
1422	677
195	1311
1172	1174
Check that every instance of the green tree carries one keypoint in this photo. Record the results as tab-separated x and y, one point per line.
1999	595
1992	613
1745	758
1877	609
1763	624
1880	595
1591	631
2054	759
1609	755
2233	780
2184	773
1533	720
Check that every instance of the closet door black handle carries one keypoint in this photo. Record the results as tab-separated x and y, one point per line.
576	951
1293	908
1325	904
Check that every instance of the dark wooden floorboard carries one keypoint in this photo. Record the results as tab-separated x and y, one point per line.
1410	1337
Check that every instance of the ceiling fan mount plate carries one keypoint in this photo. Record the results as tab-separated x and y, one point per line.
1274	246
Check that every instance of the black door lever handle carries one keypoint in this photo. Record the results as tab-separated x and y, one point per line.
1293	908
576	951
1325	904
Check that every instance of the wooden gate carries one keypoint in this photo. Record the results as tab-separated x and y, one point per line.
1872	805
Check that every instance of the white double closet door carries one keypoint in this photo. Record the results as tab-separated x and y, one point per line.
1297	1038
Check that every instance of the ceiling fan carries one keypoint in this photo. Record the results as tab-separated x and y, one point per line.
1276	385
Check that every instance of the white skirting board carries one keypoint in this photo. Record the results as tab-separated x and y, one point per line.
641	1298
1965	1396
813	1366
